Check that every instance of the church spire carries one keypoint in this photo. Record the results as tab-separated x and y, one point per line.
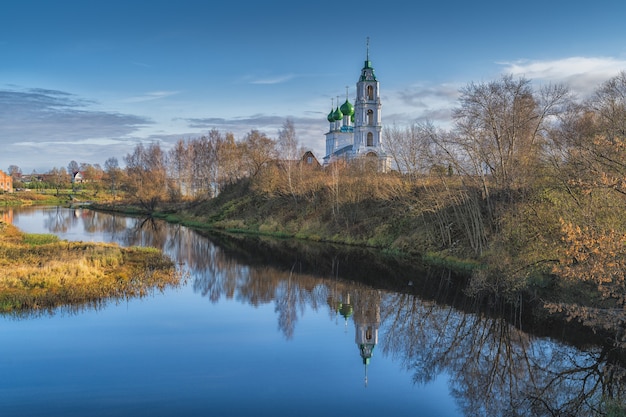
367	73
368	64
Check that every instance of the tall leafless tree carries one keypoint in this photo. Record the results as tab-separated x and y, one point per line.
409	147
113	173
147	175
287	145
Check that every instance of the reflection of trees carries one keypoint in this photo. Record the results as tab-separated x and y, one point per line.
147	232
426	322
111	225
288	299
494	367
58	220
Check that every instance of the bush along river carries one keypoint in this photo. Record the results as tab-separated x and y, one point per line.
280	327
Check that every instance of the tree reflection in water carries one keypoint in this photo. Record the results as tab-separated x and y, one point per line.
495	368
429	327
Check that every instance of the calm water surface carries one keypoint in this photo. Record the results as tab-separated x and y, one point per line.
265	328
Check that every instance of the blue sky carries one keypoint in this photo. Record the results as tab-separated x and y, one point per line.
87	80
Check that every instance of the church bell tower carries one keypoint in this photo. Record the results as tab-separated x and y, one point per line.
368	125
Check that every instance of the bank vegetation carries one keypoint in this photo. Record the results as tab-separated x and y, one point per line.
41	272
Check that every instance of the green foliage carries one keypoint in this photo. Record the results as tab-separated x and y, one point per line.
39	239
452	262
614	408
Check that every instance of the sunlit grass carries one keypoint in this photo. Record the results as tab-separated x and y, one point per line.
34	239
43	272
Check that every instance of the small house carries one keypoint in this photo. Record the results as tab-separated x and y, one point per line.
6	183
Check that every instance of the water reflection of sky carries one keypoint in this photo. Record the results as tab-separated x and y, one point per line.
251	339
179	355
182	354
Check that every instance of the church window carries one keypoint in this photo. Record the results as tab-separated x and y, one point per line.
370	92
370	139
370	117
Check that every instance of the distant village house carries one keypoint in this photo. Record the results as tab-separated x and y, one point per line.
6	183
308	159
77	177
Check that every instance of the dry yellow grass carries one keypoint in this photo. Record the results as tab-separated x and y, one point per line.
43	272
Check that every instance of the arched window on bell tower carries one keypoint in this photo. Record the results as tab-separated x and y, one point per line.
370	92
370	117
370	139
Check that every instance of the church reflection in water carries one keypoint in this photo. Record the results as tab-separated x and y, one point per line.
366	316
495	365
427	324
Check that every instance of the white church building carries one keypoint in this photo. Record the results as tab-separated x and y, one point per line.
355	130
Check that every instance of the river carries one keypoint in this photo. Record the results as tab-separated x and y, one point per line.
265	327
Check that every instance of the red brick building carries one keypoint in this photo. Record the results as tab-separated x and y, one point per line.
6	183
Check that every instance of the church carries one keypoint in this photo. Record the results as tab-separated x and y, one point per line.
355	129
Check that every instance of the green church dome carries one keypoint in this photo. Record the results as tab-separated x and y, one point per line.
347	108
338	115
346	311
331	116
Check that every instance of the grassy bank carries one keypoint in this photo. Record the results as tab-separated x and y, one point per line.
51	197
551	243
29	198
42	272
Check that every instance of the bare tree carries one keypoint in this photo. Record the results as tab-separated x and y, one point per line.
59	179
205	163
499	129
609	103
113	172
73	167
146	175
179	166
14	171
230	157
258	151
288	154
409	147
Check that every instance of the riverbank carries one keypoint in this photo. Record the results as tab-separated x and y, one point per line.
41	272
395	226
46	197
518	255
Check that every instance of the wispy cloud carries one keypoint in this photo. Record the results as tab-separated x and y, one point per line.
274	80
75	143
40	126
422	96
269	79
256	121
150	96
421	102
58	115
582	74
